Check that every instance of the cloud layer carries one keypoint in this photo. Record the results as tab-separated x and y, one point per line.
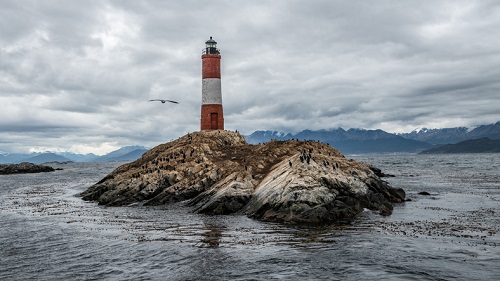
77	76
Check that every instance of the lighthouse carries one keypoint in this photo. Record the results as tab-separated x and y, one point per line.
212	117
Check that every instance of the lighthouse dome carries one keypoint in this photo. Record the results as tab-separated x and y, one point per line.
211	41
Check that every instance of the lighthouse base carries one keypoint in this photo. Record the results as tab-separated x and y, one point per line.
212	117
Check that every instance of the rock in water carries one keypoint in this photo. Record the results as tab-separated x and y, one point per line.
24	168
220	173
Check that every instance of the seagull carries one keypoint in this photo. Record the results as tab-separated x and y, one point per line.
164	101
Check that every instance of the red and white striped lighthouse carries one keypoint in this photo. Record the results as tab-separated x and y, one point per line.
212	117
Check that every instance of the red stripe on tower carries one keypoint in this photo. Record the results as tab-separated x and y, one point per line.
212	117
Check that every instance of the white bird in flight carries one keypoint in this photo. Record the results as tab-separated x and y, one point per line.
164	101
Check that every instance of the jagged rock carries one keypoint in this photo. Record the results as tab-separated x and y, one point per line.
219	173
23	168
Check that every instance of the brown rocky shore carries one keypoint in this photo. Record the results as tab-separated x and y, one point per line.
23	168
218	172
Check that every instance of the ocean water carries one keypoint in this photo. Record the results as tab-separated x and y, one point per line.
48	233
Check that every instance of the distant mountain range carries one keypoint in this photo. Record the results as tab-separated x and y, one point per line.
127	153
360	141
351	141
454	135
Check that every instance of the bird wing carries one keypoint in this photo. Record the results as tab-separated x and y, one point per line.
171	101
163	101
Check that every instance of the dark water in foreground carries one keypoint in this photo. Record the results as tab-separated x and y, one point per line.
49	234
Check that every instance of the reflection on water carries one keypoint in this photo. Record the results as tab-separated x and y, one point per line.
48	233
214	227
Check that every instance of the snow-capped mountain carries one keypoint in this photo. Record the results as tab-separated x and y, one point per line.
454	135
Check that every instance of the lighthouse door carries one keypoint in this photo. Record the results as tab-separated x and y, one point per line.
214	118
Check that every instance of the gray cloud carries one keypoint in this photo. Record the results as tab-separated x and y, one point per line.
78	75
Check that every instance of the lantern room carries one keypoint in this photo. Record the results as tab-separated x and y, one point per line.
211	47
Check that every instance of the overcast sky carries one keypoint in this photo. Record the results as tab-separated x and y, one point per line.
77	75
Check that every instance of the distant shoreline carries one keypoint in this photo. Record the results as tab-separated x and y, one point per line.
482	145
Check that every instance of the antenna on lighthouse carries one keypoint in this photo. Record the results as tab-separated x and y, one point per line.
212	117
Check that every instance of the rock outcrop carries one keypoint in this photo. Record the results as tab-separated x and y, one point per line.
23	168
219	173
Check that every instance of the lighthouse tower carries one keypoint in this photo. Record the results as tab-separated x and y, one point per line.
212	117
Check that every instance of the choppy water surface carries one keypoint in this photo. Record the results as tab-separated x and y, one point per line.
47	233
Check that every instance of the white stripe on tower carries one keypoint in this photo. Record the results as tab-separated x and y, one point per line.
211	91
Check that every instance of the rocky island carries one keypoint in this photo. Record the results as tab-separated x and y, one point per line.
218	172
23	168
